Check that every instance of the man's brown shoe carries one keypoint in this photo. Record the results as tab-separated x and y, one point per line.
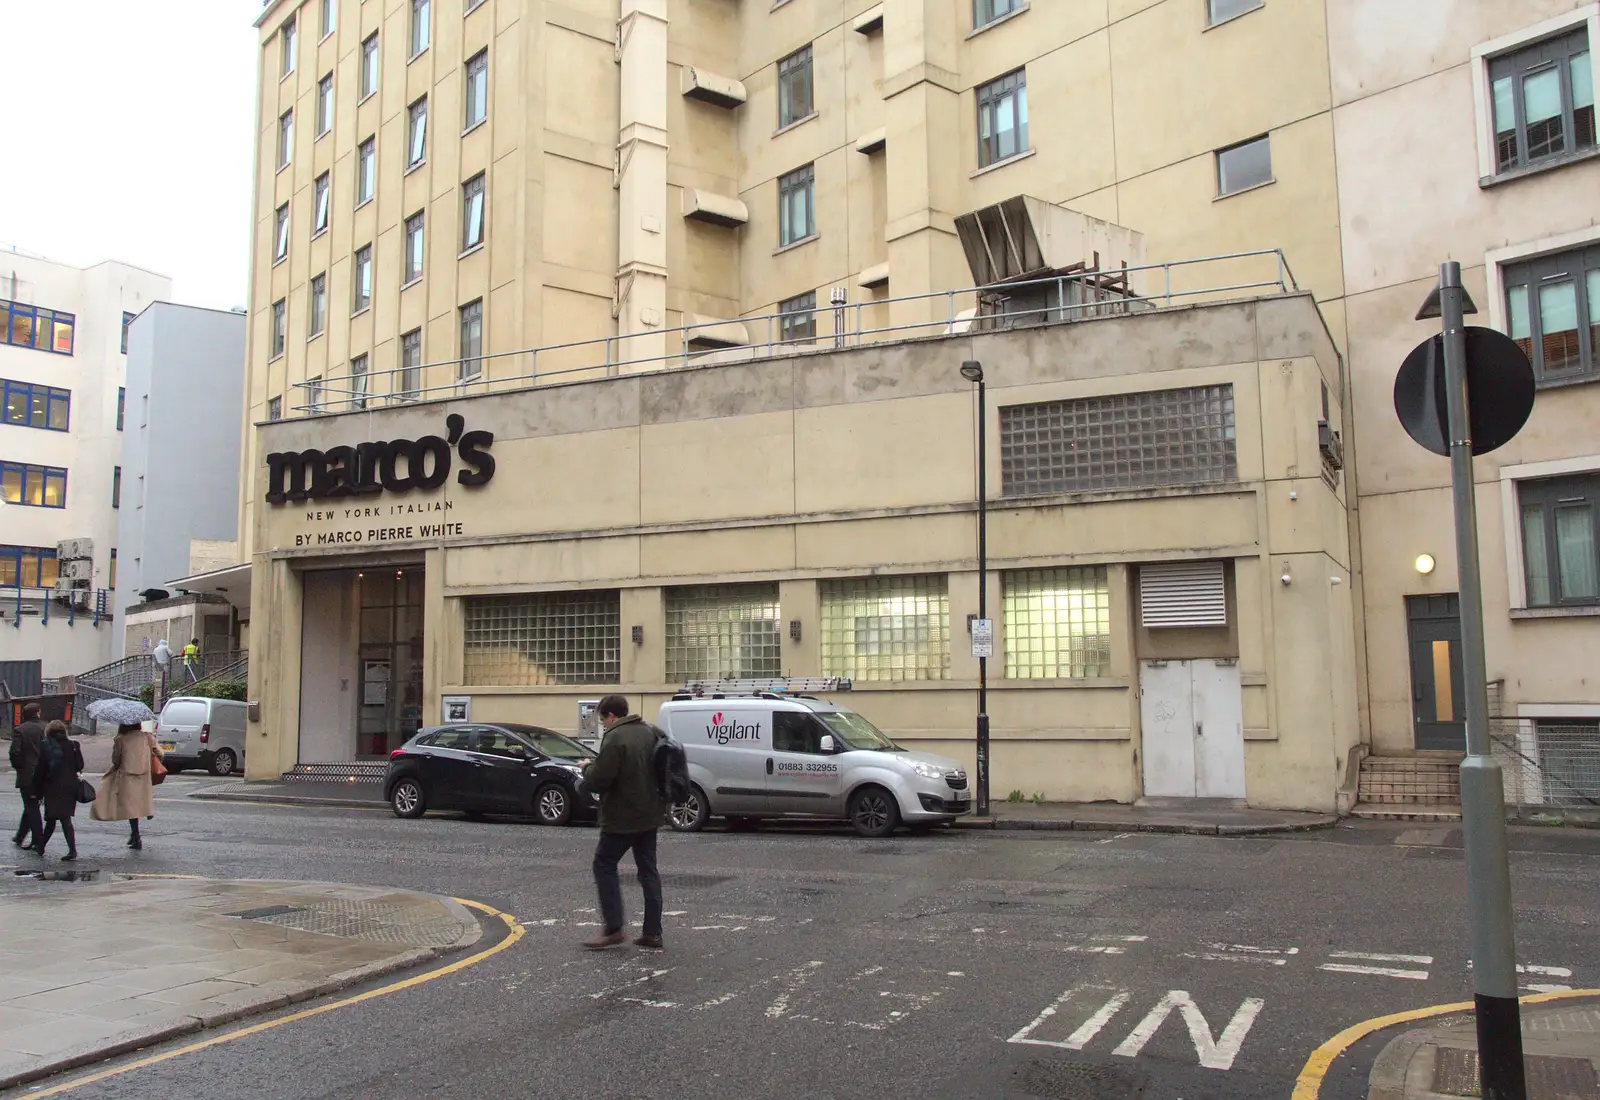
607	941
653	943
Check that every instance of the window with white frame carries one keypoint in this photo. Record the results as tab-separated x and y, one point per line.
287	39
795	88
361	280
285	138
1553	312
414	239
886	628
472	199
1220	11
1243	166
280	324
324	104
985	12
476	92
409	382
1057	623
1542	101
280	234
471	341
358	382
797	319
797	209
1003	119
321	191
318	303
421	12
366	169
1560	526
417	133
369	65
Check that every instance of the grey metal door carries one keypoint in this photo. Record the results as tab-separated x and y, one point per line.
1438	701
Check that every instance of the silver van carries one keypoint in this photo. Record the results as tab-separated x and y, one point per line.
202	733
774	754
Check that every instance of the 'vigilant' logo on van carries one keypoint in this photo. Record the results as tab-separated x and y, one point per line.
722	732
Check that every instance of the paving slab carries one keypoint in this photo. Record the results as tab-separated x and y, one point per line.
1202	817
1560	1046
129	962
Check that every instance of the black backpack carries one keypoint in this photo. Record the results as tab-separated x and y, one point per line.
672	769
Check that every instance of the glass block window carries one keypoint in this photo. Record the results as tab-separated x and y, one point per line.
726	631
535	638
1120	441
1057	623
886	628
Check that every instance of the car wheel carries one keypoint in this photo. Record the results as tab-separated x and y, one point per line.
874	812
690	815
407	799
223	762
552	804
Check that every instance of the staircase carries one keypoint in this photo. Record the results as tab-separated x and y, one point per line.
124	677
1422	787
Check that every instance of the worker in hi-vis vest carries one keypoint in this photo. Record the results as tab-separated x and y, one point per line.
191	659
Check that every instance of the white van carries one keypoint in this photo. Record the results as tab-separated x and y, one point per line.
202	733
758	753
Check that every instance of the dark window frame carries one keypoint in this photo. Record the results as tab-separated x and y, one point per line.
358	381
14	563
408	382
1525	279
116	486
366	171
280	327
1547	497
1004	93
280	233
28	472
321	202
797	319
285	139
476	187
475	75
985	12
122	405
417	132
369	67
325	105
802	180
127	319
317	305
797	87
37	398
421	26
415	256
471	361
15	316
1223	190
1219	12
1513	148
361	280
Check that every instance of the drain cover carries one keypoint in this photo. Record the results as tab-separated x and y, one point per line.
267	911
1077	1081
1455	1073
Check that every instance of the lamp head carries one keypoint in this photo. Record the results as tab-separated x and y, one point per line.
972	370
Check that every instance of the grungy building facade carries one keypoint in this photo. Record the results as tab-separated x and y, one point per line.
506	203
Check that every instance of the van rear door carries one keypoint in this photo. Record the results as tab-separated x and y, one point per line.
178	728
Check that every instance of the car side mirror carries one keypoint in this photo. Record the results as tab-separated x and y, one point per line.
827	743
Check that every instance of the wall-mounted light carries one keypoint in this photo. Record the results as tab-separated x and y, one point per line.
638	635
1425	564
1286	579
794	630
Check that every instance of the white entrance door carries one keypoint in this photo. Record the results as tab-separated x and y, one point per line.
1192	716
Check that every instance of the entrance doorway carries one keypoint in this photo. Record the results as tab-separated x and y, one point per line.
1438	702
1192	715
391	658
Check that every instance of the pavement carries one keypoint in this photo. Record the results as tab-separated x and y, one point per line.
1219	818
91	969
1561	1053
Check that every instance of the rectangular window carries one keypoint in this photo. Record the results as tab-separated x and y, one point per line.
1243	166
361	279
280	321
275	408
329	14
358	382
471	341
795	98
280	234
324	104
985	12
1003	118
26	326
477	90
28	405
1553	312
472	212
314	394
797	218
417	133
723	632
319	305
1565	771
409	384
1220	11
28	567
285	138
366	169
1120	441
369	65
473	5
414	239
886	628
420	13
286	43
538	638
322	191
1057	623
1542	101
33	486
127	319
122	403
111	575
1560	533
116	486
797	319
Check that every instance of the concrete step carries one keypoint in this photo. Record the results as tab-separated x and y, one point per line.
1411	811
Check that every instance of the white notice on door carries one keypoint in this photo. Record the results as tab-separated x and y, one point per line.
983	637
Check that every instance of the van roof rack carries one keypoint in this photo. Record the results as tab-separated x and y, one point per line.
792	686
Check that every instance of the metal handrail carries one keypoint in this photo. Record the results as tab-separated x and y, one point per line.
327	395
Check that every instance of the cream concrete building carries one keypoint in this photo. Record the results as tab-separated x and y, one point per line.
459	198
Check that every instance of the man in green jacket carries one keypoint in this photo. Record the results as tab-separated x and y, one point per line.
631	810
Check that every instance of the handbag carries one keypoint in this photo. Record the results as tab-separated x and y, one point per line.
158	770
85	791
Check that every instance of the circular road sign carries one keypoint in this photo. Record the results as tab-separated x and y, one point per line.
1499	391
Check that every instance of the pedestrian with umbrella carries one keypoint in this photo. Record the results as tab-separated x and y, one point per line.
127	790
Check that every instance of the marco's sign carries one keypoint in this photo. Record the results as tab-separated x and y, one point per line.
385	466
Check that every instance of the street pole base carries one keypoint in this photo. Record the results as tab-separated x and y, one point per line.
1500	1074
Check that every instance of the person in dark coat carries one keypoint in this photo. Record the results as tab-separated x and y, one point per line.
631	810
55	784
26	742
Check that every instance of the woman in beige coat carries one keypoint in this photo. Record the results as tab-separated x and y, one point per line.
125	793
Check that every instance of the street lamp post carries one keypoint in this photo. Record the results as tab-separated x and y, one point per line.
972	371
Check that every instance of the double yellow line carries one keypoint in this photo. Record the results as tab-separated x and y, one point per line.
514	932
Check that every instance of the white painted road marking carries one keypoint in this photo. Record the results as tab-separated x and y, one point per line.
1213	1053
1377	971
1239	952
1090	1027
1425	960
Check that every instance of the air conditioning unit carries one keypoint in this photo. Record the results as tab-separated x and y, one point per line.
75	549
1331	444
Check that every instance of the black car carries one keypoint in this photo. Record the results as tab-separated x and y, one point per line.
518	770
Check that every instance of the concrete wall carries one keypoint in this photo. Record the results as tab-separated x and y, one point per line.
181	444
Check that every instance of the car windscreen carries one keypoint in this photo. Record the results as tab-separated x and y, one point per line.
551	743
856	732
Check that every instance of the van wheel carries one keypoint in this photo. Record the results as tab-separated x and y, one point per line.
223	763
407	799
690	815
552	804
874	812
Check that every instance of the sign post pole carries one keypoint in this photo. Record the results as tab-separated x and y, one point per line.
1483	817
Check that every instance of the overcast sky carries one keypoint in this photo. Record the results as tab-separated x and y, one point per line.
129	136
